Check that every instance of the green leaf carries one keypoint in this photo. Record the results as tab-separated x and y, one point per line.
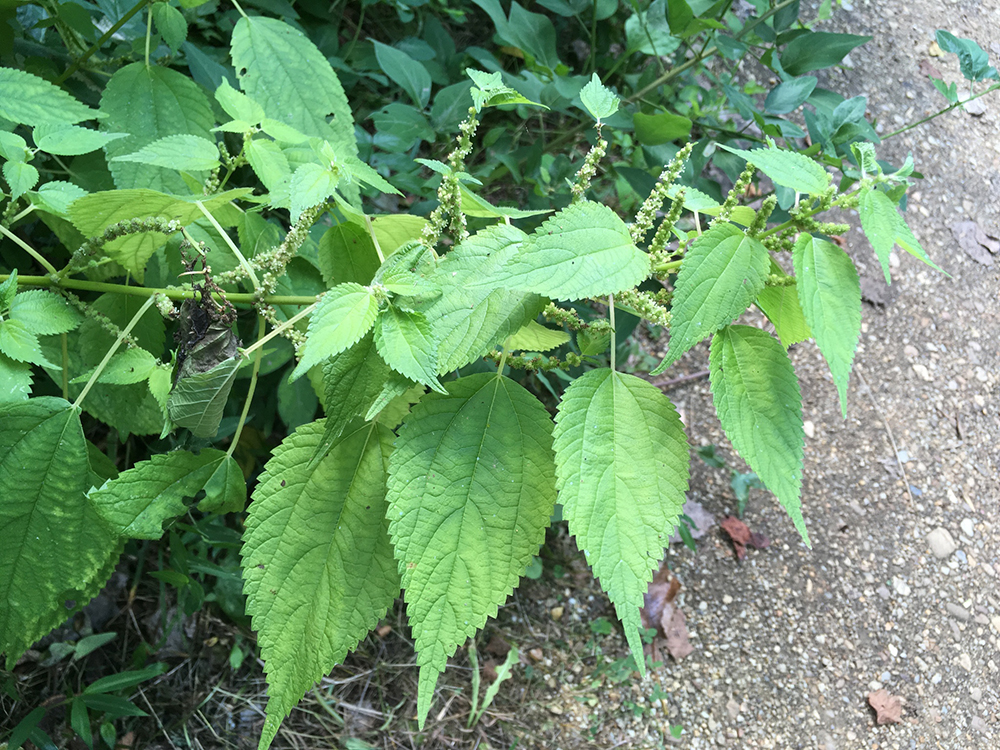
407	73
757	399
70	140
196	402
318	568
491	91
44	313
395	230
721	275
184	153
352	380
15	380
238	105
906	240
649	32
830	295
789	169
879	220
471	489
534	337
622	469
343	316
654	130
347	254
781	306
268	161
124	680
21	177
599	100
149	103
815	50
789	95
124	368
972	59
8	289
171	25
142	499
311	185
31	100
20	344
585	250
56	197
58	549
407	344
284	72
13	147
226	489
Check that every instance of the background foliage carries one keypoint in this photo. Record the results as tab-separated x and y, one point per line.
184	177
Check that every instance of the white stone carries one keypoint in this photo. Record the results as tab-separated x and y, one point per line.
941	543
809	428
968	527
921	371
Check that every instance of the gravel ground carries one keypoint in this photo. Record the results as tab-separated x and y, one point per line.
901	589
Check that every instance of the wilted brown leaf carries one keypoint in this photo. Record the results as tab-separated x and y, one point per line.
927	68
888	708
677	634
742	537
498	646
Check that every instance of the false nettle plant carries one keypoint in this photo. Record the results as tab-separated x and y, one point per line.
417	479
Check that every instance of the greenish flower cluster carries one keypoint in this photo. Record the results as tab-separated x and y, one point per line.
647	304
734	196
588	171
774	279
763	214
448	215
536	362
658	247
572	320
647	212
120	229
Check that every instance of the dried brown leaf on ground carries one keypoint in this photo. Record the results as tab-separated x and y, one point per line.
678	644
701	518
741	536
927	68
888	708
975	241
661	592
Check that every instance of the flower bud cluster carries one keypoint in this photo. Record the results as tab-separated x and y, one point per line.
536	362
646	304
647	212
738	191
658	247
763	214
588	171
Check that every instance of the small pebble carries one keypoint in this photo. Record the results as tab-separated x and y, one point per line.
958	611
557	613
968	527
941	543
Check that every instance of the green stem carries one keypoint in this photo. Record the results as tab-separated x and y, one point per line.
940	112
503	360
279	329
140	291
100	42
611	319
114	348
64	340
27	248
250	389
149	30
247	269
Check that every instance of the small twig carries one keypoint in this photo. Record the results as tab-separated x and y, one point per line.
888	430
680	380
